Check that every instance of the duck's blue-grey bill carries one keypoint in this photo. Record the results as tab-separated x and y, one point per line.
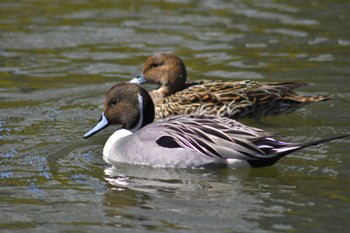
103	123
139	80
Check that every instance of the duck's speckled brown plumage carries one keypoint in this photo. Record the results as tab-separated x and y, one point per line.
244	99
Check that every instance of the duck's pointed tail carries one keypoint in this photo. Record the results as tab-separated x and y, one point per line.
310	99
278	150
283	151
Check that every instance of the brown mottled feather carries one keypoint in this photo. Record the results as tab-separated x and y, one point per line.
246	99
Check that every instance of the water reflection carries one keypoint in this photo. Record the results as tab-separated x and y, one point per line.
164	179
165	197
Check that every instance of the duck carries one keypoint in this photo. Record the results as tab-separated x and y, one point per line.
176	95
183	141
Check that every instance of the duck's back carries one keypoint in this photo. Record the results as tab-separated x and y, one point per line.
245	99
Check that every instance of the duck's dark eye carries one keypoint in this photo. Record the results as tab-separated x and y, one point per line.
156	64
114	102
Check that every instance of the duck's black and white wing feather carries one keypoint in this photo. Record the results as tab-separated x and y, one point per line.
226	139
214	136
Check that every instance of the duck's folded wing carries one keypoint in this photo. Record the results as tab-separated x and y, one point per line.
213	137
242	99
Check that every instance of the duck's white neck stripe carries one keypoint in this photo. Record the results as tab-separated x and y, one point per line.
139	124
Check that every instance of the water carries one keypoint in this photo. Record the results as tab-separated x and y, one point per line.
57	60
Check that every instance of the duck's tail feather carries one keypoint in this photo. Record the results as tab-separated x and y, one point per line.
311	99
281	151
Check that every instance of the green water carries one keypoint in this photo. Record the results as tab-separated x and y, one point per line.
57	60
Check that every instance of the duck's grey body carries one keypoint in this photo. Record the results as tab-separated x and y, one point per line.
197	141
141	148
172	143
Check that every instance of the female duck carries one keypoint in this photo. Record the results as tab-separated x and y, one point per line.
182	141
245	99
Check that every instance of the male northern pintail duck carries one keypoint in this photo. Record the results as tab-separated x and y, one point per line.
244	99
182	141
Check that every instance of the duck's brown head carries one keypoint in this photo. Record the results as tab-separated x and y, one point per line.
127	105
165	70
